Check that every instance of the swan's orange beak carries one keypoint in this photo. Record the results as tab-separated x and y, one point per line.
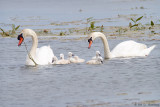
90	42
20	38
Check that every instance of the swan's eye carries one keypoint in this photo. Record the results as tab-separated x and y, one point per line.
20	36
90	39
90	42
102	62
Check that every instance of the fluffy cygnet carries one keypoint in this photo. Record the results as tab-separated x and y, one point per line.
99	60
62	60
78	60
70	58
74	59
54	60
98	54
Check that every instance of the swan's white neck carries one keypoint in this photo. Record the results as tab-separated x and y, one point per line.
107	52
34	44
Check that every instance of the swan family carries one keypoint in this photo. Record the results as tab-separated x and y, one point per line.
44	55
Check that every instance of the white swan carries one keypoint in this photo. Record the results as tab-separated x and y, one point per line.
98	54
124	49
41	56
98	60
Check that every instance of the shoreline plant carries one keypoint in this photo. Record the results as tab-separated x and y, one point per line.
10	33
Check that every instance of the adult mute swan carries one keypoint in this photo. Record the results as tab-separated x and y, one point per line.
124	49
40	56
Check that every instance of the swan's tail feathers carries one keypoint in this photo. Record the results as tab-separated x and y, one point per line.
150	49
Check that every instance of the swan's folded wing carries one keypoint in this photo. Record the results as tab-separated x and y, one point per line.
44	55
129	49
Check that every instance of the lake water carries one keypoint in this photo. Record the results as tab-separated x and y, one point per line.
39	14
116	83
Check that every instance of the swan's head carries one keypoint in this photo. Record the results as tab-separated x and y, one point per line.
100	59
98	53
61	56
92	37
25	33
20	38
70	54
54	59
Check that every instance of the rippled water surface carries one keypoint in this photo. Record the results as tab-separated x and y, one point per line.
117	82
40	14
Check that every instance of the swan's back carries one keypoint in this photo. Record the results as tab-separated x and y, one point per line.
130	48
44	55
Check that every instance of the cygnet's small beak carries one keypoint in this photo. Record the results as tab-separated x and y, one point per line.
52	60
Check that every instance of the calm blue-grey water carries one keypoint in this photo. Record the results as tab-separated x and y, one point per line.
39	14
116	83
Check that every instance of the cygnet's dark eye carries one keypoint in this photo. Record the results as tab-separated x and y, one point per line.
102	62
